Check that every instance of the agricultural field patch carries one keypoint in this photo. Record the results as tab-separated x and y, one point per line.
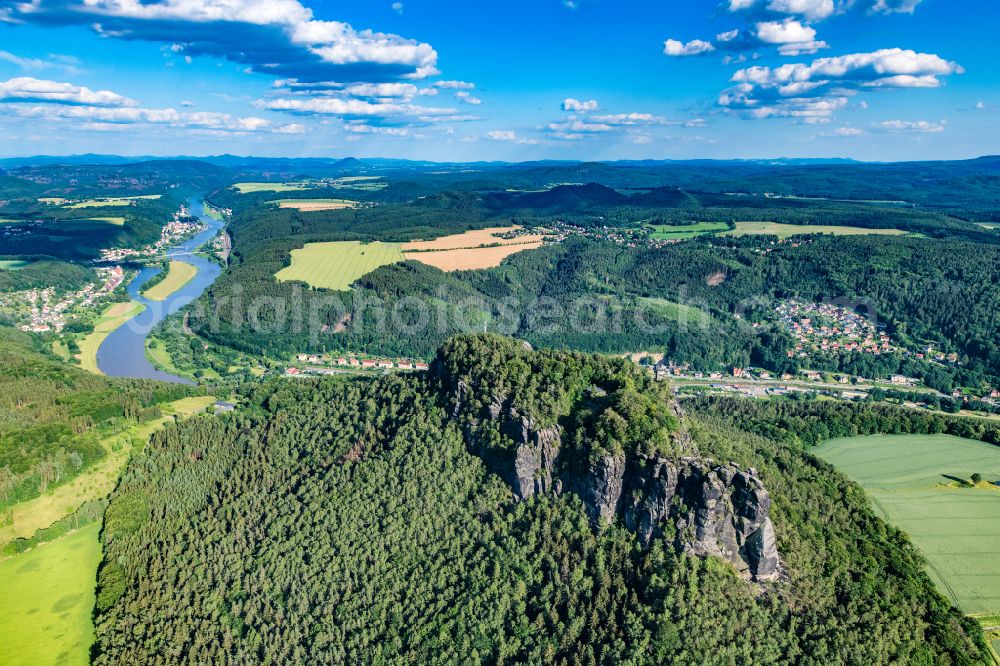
13	264
678	312
472	239
46	601
920	484
249	188
470	259
789	230
315	204
682	232
336	265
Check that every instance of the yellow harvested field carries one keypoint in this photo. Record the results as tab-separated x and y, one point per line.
469	259
471	239
315	204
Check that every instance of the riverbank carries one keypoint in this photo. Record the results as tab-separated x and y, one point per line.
123	352
179	273
111	319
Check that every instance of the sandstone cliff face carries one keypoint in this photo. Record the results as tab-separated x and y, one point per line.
717	510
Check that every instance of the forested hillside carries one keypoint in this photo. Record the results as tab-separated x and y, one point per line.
619	298
355	522
53	415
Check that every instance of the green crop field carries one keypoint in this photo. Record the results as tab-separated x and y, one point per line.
337	265
919	484
13	264
248	188
681	232
789	230
46	601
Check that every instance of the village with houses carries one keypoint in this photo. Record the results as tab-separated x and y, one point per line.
43	310
325	364
825	327
178	229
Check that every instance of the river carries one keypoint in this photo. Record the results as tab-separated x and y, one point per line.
123	352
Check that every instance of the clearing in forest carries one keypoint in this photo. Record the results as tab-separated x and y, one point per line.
920	484
337	265
789	230
249	188
685	231
315	204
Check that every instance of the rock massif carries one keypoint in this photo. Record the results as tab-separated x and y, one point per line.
703	508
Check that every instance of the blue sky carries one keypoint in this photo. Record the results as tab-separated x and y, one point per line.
441	80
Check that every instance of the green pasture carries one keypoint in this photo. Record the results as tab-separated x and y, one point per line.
13	264
920	483
249	188
789	230
682	232
337	265
46	601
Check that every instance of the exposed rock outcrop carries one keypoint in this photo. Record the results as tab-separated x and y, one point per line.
715	510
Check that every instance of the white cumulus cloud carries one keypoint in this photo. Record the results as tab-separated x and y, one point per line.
571	104
919	126
673	47
28	89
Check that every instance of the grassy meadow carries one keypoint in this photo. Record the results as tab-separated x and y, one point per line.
98	480
179	273
789	230
249	188
919	483
307	205
46	601
47	593
337	265
682	232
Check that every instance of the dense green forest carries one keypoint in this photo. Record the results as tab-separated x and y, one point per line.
53	415
351	522
45	271
807	423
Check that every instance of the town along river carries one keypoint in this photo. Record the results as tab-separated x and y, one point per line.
123	353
